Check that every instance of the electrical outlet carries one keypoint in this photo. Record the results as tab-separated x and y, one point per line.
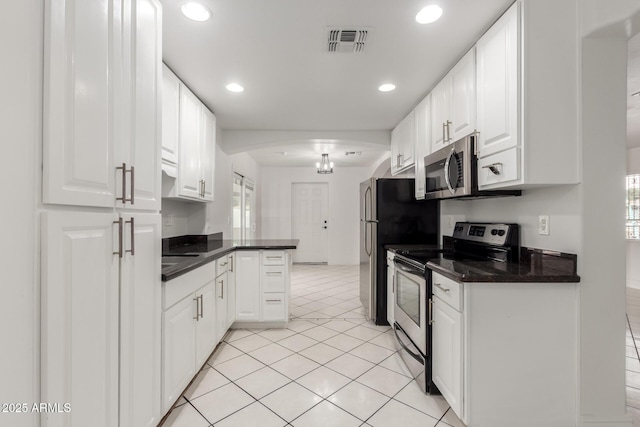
169	220
543	225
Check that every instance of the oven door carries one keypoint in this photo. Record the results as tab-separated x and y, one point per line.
411	303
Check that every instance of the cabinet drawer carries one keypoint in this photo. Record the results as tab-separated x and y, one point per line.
273	306
222	265
273	279
500	168
447	290
273	258
182	286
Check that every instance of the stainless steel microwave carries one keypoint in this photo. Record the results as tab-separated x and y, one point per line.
452	172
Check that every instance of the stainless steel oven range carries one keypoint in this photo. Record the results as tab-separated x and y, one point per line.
499	243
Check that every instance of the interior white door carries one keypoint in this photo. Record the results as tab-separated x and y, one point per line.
309	221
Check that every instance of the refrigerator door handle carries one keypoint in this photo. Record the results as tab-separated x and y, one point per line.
366	239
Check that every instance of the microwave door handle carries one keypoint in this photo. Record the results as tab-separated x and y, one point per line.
447	165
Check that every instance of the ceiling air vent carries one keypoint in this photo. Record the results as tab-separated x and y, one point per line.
350	40
352	153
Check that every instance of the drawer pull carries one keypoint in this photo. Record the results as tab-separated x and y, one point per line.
439	286
273	257
222	264
495	168
273	273
274	300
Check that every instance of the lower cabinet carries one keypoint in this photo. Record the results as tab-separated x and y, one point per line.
189	329
482	333
231	290
262	286
100	335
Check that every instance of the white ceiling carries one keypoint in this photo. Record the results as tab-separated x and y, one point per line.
277	50
633	86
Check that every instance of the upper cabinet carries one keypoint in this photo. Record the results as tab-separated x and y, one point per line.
527	116
403	145
102	105
170	117
188	143
453	105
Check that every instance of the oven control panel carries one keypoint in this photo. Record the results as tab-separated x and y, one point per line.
491	234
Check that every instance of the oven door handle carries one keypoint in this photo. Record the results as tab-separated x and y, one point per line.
409	270
447	164
405	348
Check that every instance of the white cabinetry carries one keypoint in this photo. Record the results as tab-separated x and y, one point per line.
481	334
402	145
189	329
262	286
191	131
101	267
170	117
422	144
231	290
247	286
222	297
524	138
453	103
102	104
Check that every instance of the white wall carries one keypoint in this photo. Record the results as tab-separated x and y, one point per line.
21	135
633	246
214	217
561	203
344	208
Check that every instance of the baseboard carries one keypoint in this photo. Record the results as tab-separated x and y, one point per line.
606	421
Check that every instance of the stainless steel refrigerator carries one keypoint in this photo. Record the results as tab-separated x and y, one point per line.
389	214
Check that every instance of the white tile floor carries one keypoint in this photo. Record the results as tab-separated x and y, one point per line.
330	367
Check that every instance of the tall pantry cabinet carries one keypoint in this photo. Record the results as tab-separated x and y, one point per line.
101	233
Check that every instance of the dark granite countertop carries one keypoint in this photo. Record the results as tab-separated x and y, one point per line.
200	250
535	266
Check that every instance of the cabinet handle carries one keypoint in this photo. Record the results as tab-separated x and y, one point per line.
448	131
124	183
197	316
495	168
201	306
439	286
273	273
231	266
204	187
431	321
119	252
133	236
274	300
273	257
132	185
222	264
444	138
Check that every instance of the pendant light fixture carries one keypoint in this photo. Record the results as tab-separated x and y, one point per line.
324	165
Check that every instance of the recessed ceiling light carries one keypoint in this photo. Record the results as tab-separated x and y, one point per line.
196	11
429	14
387	87
234	87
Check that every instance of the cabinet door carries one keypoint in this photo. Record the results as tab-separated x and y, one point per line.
170	115
422	144
178	349
189	175
497	83
274	307
78	165
403	137
208	153
463	97
222	296
447	353
206	332
79	330
440	113
140	147
247	286
140	315
231	291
